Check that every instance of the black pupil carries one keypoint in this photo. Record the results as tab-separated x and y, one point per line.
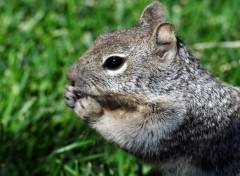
113	63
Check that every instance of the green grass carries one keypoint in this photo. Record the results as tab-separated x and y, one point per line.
39	40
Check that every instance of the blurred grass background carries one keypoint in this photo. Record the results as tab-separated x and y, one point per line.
39	40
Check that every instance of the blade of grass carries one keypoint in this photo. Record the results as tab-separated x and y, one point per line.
73	146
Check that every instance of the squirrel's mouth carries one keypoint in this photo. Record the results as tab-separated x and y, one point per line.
110	102
113	102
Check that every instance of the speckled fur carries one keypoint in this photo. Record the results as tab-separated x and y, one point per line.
165	108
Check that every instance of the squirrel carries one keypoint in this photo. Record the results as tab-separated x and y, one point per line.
143	90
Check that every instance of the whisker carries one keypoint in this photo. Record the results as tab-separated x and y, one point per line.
118	102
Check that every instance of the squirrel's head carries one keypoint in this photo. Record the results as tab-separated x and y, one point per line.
126	62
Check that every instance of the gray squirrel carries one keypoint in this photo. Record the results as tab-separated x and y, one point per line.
144	91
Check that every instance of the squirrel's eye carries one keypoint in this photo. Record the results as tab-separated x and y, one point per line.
114	62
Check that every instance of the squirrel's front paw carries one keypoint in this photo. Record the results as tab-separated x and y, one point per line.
71	96
88	108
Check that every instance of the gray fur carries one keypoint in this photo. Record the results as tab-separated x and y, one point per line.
164	108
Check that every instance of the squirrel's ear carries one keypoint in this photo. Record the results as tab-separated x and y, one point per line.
163	40
152	15
164	34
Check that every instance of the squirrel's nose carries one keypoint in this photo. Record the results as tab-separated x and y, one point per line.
72	73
